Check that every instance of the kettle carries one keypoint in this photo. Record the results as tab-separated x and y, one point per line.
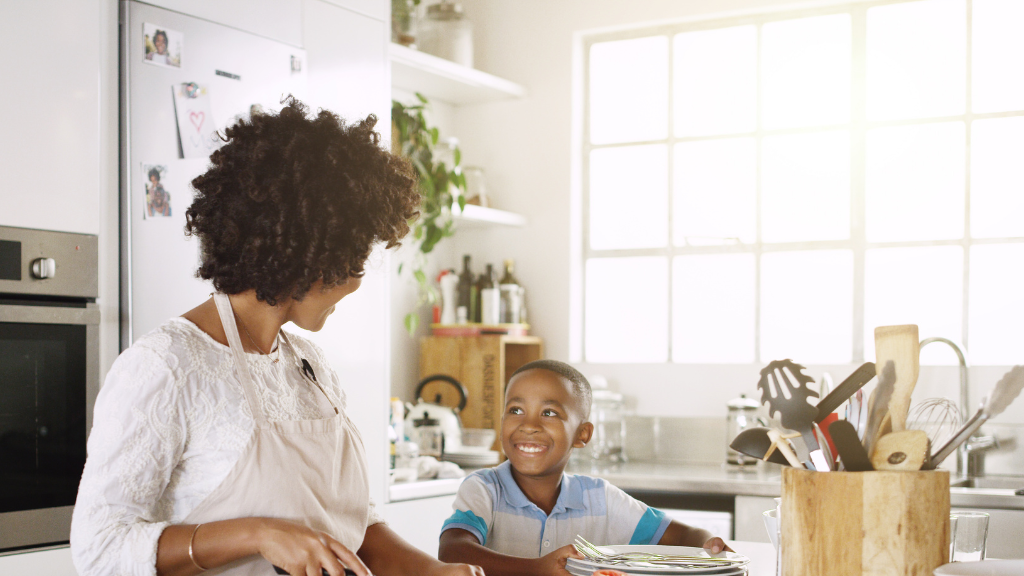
448	418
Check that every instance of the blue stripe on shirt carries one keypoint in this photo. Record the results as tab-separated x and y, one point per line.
469	522
650	528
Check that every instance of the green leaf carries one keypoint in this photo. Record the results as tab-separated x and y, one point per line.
412	321
421	97
434	135
458	156
400	265
462	202
421	278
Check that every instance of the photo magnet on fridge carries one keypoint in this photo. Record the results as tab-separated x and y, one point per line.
158	199
197	133
163	46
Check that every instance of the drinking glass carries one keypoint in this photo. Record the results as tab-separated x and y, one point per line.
952	535
971	536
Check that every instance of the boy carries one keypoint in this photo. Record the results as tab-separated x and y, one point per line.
522	516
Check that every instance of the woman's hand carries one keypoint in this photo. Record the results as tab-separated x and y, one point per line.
303	551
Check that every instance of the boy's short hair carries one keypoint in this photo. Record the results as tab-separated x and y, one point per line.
580	386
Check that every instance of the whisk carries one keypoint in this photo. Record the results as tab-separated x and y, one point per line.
938	417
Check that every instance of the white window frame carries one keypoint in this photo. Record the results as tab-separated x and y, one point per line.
858	128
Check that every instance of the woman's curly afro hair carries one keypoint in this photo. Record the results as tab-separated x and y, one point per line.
292	199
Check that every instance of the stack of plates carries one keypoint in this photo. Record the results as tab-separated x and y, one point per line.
471	457
587	567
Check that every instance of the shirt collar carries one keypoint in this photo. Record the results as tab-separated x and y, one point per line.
569	497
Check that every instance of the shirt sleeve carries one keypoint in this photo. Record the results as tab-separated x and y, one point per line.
137	439
634	521
473	508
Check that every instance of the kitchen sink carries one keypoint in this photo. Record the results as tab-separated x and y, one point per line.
990	482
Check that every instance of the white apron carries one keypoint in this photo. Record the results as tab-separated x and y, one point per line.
309	471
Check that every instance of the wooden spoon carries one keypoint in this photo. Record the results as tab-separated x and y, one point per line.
901	345
907	450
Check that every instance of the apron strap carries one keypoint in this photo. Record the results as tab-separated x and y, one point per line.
227	319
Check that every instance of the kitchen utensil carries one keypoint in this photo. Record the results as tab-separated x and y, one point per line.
447	417
851	451
906	450
938	417
878	404
845	390
794	410
783	446
971	536
656	559
900	344
741	415
754	442
1004	393
862	423
824	441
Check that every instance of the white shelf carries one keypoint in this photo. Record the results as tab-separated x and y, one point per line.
480	217
440	79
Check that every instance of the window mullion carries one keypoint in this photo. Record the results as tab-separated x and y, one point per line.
758	139
670	182
968	125
858	174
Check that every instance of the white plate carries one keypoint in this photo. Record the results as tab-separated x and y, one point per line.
577	571
983	568
663	569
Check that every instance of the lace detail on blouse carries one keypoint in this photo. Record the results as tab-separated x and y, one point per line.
170	422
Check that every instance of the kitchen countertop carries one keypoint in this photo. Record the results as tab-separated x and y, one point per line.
761	480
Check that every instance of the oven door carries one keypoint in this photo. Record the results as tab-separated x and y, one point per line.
49	377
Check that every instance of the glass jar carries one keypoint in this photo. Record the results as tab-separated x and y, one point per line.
608	414
427	434
403	22
446	33
742	415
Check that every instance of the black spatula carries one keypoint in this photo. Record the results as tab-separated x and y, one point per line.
851	451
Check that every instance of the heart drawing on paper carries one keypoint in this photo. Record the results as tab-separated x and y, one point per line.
197	119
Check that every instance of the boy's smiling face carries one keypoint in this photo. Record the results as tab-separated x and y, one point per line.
542	423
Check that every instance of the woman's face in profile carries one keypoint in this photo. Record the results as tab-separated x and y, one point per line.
312	311
160	42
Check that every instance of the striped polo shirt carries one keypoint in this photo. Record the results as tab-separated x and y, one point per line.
492	507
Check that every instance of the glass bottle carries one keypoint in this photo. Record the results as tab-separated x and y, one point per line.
489	298
466	288
511	298
446	33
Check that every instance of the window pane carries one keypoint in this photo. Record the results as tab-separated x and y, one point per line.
807	306
997	55
629	90
997	177
714	192
805	72
922	286
627	310
629	197
714	88
915	182
916	59
805	190
996	311
713	309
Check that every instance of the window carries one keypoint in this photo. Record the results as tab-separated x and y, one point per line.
776	186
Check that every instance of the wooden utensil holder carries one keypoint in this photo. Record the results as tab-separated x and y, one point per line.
864	523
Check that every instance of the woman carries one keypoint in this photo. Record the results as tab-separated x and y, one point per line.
219	440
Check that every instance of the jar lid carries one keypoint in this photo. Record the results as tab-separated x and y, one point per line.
426	421
742	403
445	11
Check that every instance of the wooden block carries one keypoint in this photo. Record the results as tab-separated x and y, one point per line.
864	523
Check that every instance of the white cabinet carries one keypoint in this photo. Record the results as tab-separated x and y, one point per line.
50	114
55	562
749	520
419	521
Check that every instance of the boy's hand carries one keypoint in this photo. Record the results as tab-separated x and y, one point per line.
553	563
716	545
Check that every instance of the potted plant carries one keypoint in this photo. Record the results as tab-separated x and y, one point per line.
441	186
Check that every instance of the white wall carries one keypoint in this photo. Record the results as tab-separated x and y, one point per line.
526	149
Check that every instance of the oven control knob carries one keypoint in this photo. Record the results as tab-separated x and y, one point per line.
44	268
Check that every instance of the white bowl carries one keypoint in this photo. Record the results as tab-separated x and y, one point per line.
478	437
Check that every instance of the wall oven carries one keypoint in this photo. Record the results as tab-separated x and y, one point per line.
49	377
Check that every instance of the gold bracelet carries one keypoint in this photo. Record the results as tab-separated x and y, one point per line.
191	554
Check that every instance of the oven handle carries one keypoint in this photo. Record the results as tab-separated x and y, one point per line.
88	316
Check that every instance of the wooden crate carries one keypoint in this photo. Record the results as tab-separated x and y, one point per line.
864	523
483	364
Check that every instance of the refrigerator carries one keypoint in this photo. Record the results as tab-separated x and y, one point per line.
182	80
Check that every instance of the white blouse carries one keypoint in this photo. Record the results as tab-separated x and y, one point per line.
170	422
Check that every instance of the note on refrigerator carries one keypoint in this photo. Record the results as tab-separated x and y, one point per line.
197	133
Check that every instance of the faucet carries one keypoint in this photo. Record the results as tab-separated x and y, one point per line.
964	452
